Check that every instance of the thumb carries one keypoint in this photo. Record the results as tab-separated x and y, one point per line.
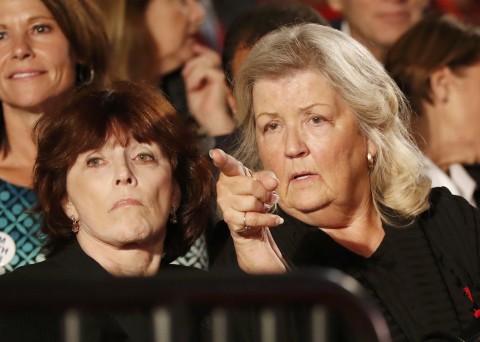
267	178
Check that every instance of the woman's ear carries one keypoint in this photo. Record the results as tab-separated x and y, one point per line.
69	208
372	148
440	84
231	101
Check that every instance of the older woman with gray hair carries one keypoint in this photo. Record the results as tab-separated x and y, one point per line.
324	128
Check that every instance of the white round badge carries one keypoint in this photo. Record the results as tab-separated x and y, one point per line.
7	249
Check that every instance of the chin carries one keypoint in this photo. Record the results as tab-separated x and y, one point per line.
131	234
305	208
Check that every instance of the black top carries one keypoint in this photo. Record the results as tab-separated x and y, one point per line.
418	273
105	325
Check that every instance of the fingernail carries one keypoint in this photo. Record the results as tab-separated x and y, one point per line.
275	198
210	153
279	220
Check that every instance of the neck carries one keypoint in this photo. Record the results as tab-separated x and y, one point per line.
16	166
18	126
379	52
129	261
441	142
361	234
356	227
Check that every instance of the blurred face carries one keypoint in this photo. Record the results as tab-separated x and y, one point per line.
240	55
36	63
379	22
309	138
121	195
174	25
464	105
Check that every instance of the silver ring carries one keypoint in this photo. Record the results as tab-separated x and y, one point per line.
245	227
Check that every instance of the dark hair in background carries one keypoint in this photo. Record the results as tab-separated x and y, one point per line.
258	20
124	110
434	42
81	23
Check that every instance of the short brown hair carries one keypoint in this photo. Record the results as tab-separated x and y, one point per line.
433	43
125	110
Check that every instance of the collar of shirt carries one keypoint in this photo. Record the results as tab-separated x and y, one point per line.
458	182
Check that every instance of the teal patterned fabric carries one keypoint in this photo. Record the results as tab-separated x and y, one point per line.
20	225
197	256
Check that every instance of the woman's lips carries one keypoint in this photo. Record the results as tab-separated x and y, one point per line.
19	75
394	17
300	176
127	202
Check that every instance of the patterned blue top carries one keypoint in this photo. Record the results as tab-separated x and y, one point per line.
19	225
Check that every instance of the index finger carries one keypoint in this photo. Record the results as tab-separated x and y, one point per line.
227	164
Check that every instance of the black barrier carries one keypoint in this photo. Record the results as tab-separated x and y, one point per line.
317	306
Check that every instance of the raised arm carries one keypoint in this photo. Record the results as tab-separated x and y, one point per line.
245	198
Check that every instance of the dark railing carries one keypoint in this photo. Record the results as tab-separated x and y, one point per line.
316	306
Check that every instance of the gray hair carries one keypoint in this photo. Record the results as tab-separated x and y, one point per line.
399	184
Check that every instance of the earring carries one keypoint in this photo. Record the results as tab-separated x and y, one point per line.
85	74
371	161
173	215
75	225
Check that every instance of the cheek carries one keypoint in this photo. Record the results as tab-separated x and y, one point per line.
86	197
170	35
269	156
60	52
170	46
159	189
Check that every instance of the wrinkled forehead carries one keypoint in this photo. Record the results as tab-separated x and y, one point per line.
114	134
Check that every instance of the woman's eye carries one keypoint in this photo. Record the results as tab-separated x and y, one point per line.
94	162
41	28
145	157
316	119
2	35
271	126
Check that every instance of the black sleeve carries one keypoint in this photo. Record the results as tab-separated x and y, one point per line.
222	251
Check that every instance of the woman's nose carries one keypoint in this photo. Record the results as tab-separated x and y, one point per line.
125	176
295	146
21	48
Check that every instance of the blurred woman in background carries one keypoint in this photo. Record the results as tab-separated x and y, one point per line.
437	65
47	49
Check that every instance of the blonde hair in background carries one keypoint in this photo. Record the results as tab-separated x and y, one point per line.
133	52
399	185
